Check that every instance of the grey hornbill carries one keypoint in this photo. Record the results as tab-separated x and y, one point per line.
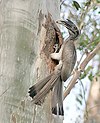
67	58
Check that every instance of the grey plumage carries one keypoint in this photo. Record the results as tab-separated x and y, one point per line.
57	98
67	58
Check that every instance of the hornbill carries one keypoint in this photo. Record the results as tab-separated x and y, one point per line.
67	58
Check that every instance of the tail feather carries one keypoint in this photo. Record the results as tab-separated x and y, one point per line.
38	86
32	92
47	87
57	99
40	89
58	110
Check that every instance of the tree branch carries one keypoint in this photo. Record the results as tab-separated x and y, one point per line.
80	69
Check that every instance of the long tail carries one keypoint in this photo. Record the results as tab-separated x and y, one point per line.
57	99
40	89
46	88
33	91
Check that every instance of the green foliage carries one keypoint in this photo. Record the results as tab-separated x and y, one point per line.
98	1
95	8
90	76
79	100
86	72
83	41
83	75
94	43
87	43
80	97
76	5
88	3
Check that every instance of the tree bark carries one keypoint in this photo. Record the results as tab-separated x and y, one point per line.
92	114
22	61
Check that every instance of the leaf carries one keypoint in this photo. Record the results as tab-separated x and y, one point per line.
83	75
88	69
86	72
79	100
94	43
94	8
81	96
90	76
84	39
65	87
98	1
76	4
88	3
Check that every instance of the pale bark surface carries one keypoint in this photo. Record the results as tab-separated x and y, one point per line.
21	63
93	105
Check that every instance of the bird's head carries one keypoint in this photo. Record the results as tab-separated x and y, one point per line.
74	32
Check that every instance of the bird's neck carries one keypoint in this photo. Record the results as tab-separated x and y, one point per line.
69	39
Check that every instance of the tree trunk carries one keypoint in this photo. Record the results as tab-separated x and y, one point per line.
92	114
22	62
